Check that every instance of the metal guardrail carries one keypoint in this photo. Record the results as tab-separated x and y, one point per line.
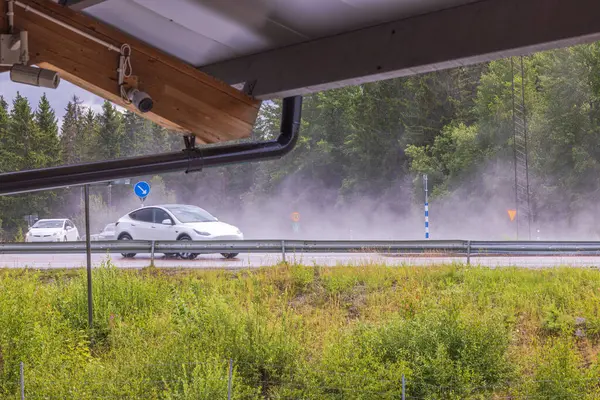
449	248
237	246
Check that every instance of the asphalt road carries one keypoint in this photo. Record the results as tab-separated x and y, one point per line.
44	261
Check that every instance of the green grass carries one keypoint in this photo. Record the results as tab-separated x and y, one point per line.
455	332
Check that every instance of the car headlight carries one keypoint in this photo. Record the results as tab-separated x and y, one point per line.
202	233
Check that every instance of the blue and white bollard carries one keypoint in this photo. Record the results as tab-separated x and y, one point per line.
426	220
426	206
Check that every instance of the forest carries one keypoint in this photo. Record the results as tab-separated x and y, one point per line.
356	171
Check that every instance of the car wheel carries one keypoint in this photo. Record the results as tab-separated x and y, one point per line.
229	255
125	236
186	256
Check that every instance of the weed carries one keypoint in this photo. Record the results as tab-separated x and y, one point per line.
302	332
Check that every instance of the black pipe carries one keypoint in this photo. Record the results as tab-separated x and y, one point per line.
186	160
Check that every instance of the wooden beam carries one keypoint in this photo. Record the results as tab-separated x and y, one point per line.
185	99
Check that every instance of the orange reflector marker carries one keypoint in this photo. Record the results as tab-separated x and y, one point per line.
512	214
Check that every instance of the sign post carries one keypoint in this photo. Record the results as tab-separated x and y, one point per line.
88	253
142	190
31	219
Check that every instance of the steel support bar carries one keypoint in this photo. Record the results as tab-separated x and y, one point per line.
22	379
187	160
473	33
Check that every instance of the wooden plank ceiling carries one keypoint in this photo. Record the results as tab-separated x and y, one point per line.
185	99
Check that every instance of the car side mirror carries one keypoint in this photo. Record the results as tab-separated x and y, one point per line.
167	222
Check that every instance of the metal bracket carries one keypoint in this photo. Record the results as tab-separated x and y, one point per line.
190	142
193	154
10	49
249	87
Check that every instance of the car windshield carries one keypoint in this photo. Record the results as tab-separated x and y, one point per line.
191	214
48	224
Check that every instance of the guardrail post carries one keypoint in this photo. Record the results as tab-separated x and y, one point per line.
403	387
468	252
229	380
152	255
22	380
283	250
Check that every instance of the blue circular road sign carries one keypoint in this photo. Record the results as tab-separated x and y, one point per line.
142	189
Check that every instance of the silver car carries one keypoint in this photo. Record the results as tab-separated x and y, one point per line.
108	233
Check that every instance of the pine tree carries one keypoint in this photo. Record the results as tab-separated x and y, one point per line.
26	135
3	113
88	137
143	137
49	143
69	132
132	124
20	149
6	154
49	149
110	133
8	158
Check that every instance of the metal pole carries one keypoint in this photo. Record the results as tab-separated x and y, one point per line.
88	250
283	250
230	379
468	252
403	387
22	380
109	200
188	160
152	255
426	207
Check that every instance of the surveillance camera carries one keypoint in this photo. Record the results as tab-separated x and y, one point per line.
34	76
141	100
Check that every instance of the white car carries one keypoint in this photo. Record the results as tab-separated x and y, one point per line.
108	233
52	230
175	222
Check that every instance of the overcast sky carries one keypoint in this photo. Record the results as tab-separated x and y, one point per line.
58	97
